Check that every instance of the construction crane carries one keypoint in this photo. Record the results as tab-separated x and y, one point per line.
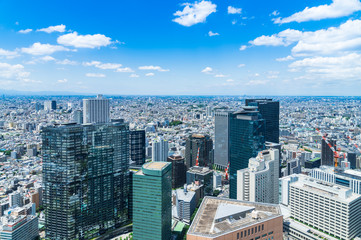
197	159
336	154
226	170
356	146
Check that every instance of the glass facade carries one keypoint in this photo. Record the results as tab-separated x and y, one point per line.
270	111
245	141
205	145
152	209
85	175
137	146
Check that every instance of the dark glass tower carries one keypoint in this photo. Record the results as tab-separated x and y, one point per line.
179	170
205	145
270	111
221	132
246	139
327	155
85	176
137	146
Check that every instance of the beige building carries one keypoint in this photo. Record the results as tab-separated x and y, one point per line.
228	219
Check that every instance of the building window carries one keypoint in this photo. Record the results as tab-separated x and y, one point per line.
237	235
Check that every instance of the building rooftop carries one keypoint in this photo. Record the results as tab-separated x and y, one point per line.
185	196
155	165
218	216
200	170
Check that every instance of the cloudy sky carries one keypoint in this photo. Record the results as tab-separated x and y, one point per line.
217	47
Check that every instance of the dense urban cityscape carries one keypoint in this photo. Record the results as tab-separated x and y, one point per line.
180	167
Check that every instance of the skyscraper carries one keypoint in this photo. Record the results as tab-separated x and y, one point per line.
179	170
270	111
152	207
50	105
160	150
78	116
137	146
246	139
259	182
221	132
85	176
96	110
327	155
198	143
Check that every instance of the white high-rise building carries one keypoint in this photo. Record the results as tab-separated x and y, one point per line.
159	150
259	182
330	208
96	110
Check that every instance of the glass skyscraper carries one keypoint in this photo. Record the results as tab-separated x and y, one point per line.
137	146
205	145
270	111
152	207
85	175
246	139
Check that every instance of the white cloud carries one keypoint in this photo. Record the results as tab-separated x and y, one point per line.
257	82
63	80
151	67
101	65
230	80
220	76
242	48
207	70
233	10
275	13
149	74
47	58
67	62
25	31
194	13
241	65
338	8
325	41
234	22
134	75
95	75
211	34
84	41
125	69
57	28
14	72
43	49
285	59
8	54
256	74
346	67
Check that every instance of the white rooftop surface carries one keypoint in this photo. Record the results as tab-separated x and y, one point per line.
185	196
225	210
330	190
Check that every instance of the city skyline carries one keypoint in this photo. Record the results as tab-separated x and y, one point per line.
182	48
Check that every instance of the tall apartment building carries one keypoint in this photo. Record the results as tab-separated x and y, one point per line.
228	219
152	207
49	105
96	110
198	143
327	156
137	146
270	111
185	204
221	133
85	177
179	170
329	208
78	116
259	182
160	150
246	139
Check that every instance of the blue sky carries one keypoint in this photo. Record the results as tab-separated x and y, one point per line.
171	47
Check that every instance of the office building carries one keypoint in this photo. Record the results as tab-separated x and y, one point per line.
246	139
201	176
78	116
20	227
259	182
137	146
50	105
185	204
227	219
270	145
270	111
96	110
313	163
217	180
15	199
221	133
327	155
198	145
329	208
152	207
85	177
160	150
351	157
179	170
